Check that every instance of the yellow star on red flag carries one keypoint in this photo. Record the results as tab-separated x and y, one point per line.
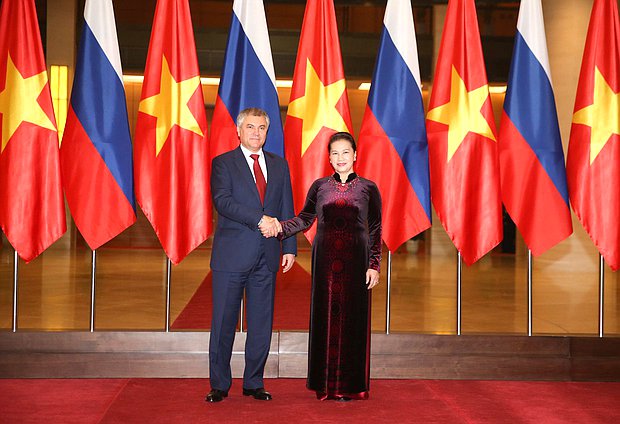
462	114
170	107
317	107
603	115
18	102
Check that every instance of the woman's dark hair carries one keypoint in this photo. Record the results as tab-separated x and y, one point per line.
343	135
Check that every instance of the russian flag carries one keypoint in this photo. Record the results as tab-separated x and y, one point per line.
248	80
95	154
393	149
533	174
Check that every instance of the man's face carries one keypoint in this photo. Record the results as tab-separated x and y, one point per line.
253	132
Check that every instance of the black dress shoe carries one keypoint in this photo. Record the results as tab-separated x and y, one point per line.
216	395
259	393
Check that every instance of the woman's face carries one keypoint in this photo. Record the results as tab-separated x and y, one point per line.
342	156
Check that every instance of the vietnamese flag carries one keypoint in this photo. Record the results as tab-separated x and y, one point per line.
319	106
462	141
170	147
593	164
32	209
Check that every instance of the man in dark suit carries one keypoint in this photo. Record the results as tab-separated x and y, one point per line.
251	188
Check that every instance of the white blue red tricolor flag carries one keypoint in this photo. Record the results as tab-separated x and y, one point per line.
248	80
96	158
392	143
533	175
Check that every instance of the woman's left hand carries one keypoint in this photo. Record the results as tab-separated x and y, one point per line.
372	278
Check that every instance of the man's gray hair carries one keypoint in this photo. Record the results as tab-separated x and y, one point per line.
251	111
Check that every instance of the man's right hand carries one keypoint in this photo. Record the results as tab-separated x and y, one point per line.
269	226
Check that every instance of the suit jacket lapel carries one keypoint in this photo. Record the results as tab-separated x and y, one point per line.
245	173
271	175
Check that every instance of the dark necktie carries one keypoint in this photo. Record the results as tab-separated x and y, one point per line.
261	184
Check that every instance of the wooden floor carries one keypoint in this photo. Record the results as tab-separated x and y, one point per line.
54	289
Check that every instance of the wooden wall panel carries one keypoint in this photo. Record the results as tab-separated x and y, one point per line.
185	354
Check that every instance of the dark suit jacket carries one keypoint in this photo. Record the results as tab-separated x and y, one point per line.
237	240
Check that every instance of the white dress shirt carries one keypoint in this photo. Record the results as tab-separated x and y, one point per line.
250	161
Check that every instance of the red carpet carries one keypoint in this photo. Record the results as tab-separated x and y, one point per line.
292	303
391	401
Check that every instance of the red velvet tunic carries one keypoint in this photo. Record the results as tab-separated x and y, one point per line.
347	243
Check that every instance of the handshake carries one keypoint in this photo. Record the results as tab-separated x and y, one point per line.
269	227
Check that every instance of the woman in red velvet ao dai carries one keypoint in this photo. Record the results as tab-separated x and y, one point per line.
346	254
